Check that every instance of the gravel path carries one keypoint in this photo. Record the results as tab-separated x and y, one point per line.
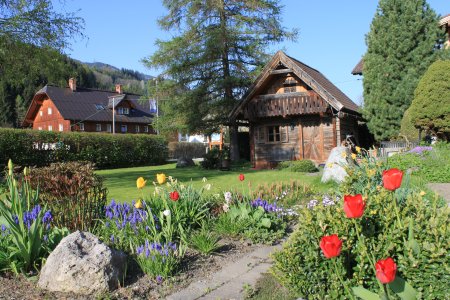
443	189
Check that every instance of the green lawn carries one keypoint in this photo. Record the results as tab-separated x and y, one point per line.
121	183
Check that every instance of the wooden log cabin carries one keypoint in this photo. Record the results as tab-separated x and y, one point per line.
294	112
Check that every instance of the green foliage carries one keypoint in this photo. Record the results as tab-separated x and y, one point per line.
430	166
212	63
104	150
73	193
204	240
254	223
400	47
305	166
430	108
212	159
412	232
407	128
25	227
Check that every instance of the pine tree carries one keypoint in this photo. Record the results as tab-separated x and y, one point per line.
401	45
218	47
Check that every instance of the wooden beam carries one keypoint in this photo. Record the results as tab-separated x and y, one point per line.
280	71
283	95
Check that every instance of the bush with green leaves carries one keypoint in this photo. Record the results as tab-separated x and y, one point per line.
431	164
304	166
259	221
41	148
204	240
73	192
407	225
211	160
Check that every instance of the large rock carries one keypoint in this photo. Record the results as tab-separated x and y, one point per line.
82	264
335	166
184	162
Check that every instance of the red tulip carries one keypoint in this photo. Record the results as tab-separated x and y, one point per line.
354	206
331	245
174	195
386	269
241	177
392	179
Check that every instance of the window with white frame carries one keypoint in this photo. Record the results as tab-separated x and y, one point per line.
39	128
108	128
124	128
41	113
61	127
98	127
145	128
81	126
49	110
138	129
50	128
123	110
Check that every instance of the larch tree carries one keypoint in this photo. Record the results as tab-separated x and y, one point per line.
401	45
217	48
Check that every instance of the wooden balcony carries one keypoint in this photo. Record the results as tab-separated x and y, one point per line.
284	105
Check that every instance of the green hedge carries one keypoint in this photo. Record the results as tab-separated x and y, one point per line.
30	148
305	166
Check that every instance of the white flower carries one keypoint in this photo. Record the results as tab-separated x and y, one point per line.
207	187
166	212
225	207
204	179
158	190
228	197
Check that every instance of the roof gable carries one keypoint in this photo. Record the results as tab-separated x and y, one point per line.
312	77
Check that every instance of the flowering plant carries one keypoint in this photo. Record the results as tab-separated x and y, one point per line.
27	225
158	260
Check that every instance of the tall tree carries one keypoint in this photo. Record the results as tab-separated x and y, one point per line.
430	108
36	22
212	58
401	45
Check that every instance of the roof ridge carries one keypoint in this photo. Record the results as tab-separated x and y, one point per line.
92	89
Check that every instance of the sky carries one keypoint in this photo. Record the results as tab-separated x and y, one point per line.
331	39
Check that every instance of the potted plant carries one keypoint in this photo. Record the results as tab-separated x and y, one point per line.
225	158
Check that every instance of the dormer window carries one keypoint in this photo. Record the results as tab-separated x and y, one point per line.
123	111
290	85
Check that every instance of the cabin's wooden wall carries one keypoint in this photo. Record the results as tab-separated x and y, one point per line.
312	138
43	122
349	125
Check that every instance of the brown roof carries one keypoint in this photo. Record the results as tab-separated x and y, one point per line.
312	77
328	86
86	104
358	69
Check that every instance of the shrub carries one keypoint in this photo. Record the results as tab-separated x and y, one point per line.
305	166
211	160
411	228
431	166
204	241
40	148
186	150
73	193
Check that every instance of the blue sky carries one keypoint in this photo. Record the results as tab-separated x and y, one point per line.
332	34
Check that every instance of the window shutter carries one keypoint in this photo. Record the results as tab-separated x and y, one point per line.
284	134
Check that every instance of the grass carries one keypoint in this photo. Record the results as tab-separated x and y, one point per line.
268	288
121	183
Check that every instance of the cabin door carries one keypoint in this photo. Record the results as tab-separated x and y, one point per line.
311	140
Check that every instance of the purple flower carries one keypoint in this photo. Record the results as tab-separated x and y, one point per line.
311	204
159	279
47	218
112	238
420	149
3	227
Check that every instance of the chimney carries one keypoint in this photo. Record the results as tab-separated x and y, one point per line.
73	84
118	88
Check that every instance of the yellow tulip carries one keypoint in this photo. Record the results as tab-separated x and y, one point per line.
139	204
358	149
422	193
140	182
161	178
353	155
344	155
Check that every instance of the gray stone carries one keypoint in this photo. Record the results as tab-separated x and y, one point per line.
185	162
336	163
82	264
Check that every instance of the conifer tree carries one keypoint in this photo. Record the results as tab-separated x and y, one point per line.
217	47
401	45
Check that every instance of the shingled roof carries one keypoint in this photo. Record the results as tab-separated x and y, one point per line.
312	77
90	105
358	69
